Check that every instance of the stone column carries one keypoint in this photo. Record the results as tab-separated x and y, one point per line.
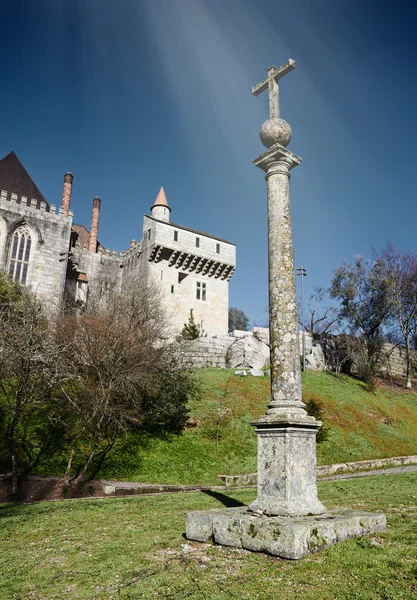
286	433
95	217
66	192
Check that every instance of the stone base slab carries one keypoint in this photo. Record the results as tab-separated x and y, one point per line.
287	537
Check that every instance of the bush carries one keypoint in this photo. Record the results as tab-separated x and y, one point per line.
315	409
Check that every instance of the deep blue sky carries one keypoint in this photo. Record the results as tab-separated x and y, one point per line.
130	95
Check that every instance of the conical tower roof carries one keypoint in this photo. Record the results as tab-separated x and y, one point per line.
161	200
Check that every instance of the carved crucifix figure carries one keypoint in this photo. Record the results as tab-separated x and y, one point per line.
271	82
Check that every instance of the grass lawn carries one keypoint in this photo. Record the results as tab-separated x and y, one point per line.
134	548
220	439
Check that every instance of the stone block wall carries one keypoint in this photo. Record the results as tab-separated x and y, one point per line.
395	364
102	269
207	351
213	351
50	235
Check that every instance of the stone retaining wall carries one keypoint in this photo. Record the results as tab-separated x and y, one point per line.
395	364
251	479
212	351
207	352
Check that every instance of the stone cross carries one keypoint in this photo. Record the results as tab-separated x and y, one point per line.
271	82
286	433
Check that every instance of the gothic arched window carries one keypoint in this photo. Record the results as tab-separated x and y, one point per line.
20	253
3	236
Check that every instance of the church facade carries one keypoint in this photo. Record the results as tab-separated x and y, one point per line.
42	248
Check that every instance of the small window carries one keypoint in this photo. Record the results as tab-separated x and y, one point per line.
197	242
218	248
172	289
162	275
181	277
149	234
201	291
175	236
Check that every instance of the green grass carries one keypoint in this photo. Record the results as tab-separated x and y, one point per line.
362	425
133	548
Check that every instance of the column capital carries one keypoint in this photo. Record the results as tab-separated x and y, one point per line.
277	154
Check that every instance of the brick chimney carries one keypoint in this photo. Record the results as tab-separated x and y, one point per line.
92	242
66	192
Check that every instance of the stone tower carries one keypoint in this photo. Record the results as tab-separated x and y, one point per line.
161	210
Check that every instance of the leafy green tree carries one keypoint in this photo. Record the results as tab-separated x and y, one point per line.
237	319
401	270
363	290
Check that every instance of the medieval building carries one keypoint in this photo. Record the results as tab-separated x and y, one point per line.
44	250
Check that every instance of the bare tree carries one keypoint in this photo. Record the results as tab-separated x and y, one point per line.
124	373
322	320
29	358
401	270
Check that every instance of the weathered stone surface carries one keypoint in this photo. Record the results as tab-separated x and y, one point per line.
256	373
274	131
287	537
287	470
238	333
241	373
315	359
248	479
248	352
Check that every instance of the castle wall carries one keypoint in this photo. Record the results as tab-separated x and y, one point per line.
102	269
192	271
50	233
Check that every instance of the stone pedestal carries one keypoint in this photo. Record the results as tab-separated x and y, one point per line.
287	537
287	470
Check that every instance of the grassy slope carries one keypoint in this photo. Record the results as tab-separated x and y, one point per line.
132	548
363	426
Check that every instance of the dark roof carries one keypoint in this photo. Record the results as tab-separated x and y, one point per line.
15	178
192	230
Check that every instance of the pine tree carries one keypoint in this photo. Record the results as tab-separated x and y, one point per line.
190	330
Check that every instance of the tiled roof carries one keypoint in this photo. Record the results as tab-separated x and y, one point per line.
15	178
80	234
161	199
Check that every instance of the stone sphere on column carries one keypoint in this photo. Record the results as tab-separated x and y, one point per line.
275	131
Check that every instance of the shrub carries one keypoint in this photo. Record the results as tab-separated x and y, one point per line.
315	409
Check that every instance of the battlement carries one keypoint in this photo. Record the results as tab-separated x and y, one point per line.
107	253
134	250
14	202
